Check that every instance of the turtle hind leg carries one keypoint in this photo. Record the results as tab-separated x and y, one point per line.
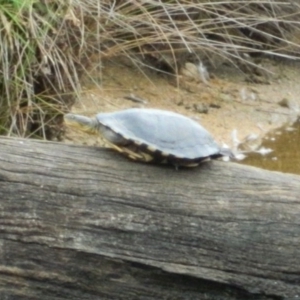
133	152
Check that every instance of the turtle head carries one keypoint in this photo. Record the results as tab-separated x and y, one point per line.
84	123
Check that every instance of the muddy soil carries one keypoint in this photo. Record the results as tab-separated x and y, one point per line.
229	104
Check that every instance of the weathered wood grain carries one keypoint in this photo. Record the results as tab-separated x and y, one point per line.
84	222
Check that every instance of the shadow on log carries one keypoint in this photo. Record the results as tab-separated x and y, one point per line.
85	223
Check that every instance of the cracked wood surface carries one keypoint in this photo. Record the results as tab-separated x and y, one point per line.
85	223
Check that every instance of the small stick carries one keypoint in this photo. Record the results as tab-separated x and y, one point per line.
274	112
134	98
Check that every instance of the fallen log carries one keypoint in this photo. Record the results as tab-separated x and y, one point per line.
85	223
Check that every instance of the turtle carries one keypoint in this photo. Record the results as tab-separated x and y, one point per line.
153	135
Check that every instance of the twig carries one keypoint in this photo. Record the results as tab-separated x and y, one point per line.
273	112
134	98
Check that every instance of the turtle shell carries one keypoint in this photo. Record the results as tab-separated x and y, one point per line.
162	134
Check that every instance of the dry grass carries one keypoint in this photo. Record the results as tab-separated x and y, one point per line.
173	31
45	46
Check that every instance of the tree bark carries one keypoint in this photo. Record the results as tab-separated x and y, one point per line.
85	223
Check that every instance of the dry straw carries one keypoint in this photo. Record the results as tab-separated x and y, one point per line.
45	46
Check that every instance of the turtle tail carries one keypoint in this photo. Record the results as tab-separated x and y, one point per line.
227	152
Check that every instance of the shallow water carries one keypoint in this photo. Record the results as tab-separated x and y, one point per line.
285	155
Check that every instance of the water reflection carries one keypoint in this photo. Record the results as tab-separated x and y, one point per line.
285	157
